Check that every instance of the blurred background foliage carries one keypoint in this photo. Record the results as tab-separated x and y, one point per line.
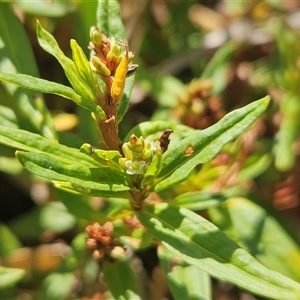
197	61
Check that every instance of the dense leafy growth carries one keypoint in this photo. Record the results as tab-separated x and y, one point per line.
181	183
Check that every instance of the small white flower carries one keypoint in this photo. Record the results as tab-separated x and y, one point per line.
134	166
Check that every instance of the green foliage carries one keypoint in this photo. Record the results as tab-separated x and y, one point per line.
27	104
105	198
202	146
121	280
202	244
10	276
181	277
260	234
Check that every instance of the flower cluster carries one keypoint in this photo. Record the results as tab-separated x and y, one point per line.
110	63
138	154
101	243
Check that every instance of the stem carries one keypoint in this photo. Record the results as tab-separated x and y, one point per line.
109	127
138	199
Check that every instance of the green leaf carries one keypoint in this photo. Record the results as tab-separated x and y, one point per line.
288	132
78	205
9	241
103	180
27	141
16	56
217	68
8	117
185	281
109	19
261	235
121	280
42	8
198	200
165	88
255	165
88	16
138	239
89	92
49	87
58	285
10	276
156	128
202	146
60	163
202	244
124	103
51	217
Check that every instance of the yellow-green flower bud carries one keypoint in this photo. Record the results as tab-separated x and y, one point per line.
114	52
153	169
126	150
96	36
81	62
117	253
117	87
99	67
136	144
148	150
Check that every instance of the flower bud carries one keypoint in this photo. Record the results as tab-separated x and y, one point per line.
99	67
148	150
153	169
91	244
117	252
81	63
114	52
136	144
118	84
96	36
126	150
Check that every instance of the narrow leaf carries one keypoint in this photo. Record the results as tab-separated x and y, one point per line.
109	19
9	242
202	244
104	180
16	56
149	128
49	87
185	281
121	280
288	133
217	68
27	141
198	200
124	103
49	44
8	117
261	235
58	285
45	9
78	205
52	216
202	146
10	276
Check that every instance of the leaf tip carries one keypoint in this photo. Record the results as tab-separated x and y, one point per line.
267	100
38	25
